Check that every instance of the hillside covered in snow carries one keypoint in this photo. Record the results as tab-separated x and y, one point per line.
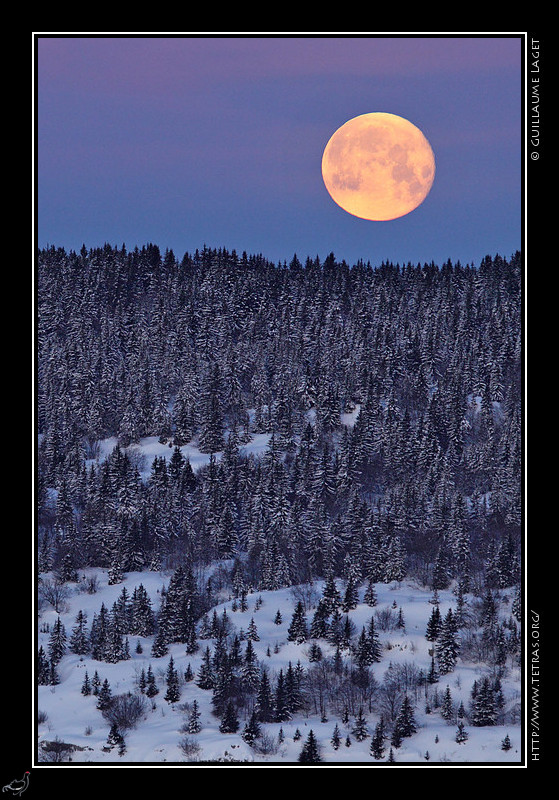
279	510
334	693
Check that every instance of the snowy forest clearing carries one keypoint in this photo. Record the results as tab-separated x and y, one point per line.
75	720
150	447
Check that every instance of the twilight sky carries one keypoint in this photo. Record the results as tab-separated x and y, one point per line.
186	141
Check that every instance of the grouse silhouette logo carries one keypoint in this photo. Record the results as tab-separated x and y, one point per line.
17	787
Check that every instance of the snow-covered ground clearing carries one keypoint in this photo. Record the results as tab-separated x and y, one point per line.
74	718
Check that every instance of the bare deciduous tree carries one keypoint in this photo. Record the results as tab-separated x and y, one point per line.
189	747
53	592
386	619
307	593
124	710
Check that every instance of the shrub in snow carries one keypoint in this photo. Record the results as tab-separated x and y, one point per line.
189	747
124	710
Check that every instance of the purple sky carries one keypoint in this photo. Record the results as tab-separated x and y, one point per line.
187	141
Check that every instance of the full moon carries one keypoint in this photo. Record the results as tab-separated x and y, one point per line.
378	166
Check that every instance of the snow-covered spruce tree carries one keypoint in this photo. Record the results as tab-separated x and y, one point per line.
396	739
205	678
116	572
315	653
42	667
506	743
374	642
95	683
294	688
141	613
330	594
347	633
252	730
461	734
115	649
405	723
122	611
351	594
264	699
230	721
115	738
297	631
151	684
504	569
105	696
86	685
57	641
488	612
447	705
363	651
483	705
370	596
249	671
434	625
395	565
448	645
360	730
176	618
310	754
100	634
377	747
54	677
211	434
172	695
160	647
79	640
194	724
319	625
335	628
252	631
442	571
336	738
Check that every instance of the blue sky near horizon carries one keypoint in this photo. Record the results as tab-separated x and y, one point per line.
185	141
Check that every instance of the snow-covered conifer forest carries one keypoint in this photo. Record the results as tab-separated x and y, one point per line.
279	509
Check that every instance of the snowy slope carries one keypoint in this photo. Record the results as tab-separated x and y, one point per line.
74	718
